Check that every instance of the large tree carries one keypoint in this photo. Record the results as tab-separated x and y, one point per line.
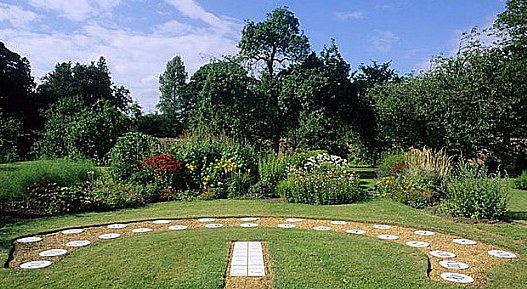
173	103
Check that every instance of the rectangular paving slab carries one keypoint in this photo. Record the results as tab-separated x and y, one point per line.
247	260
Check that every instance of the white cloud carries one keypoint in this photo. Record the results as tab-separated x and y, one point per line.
77	10
16	15
349	15
192	10
383	40
174	27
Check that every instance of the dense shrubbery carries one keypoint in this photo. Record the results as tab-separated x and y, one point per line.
473	193
521	181
323	180
129	152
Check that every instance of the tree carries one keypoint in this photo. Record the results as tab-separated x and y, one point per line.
173	103
10	133
513	22
276	40
90	83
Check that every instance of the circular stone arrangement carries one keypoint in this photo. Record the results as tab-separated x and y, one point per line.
72	231
53	253
479	256
81	243
36	264
456	277
29	240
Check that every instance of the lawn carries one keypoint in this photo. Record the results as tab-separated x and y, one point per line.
197	258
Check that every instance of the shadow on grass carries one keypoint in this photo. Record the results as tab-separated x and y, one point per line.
518	216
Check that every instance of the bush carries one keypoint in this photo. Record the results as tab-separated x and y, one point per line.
521	181
10	133
211	161
322	180
15	179
472	193
129	152
392	163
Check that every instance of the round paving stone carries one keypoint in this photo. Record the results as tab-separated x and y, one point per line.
442	254
72	231
177	227
36	264
294	220
388	237
464	242
109	236
53	253
339	222
81	243
456	277
206	220
142	230
417	244
321	228
213	226
424	233
502	254
249	225
117	226
286	226
382	227
29	240
450	264
248	219
356	232
160	222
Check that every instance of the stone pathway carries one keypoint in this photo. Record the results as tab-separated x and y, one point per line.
452	258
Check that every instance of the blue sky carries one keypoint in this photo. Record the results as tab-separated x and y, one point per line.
138	37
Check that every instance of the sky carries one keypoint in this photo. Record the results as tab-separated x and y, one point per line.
138	37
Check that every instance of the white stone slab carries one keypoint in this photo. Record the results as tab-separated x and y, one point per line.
239	261
255	260
161	222
388	237
36	264
256	271
338	222
238	271
382	227
72	231
29	240
80	243
442	254
294	220
109	236
286	226
249	225
356	231
451	264
502	254
424	233
142	230
417	244
117	226
464	242
213	226
322	228
206	220
177	227
248	219
53	253
456	277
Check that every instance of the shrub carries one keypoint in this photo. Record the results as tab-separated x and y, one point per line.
323	180
472	193
129	152
521	181
392	163
15	179
164	170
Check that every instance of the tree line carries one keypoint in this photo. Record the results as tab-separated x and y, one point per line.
278	93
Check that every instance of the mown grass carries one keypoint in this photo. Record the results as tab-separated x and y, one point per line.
15	178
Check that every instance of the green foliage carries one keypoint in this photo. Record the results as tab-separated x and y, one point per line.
173	102
16	178
322	180
211	161
521	181
472	193
392	162
10	131
129	152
